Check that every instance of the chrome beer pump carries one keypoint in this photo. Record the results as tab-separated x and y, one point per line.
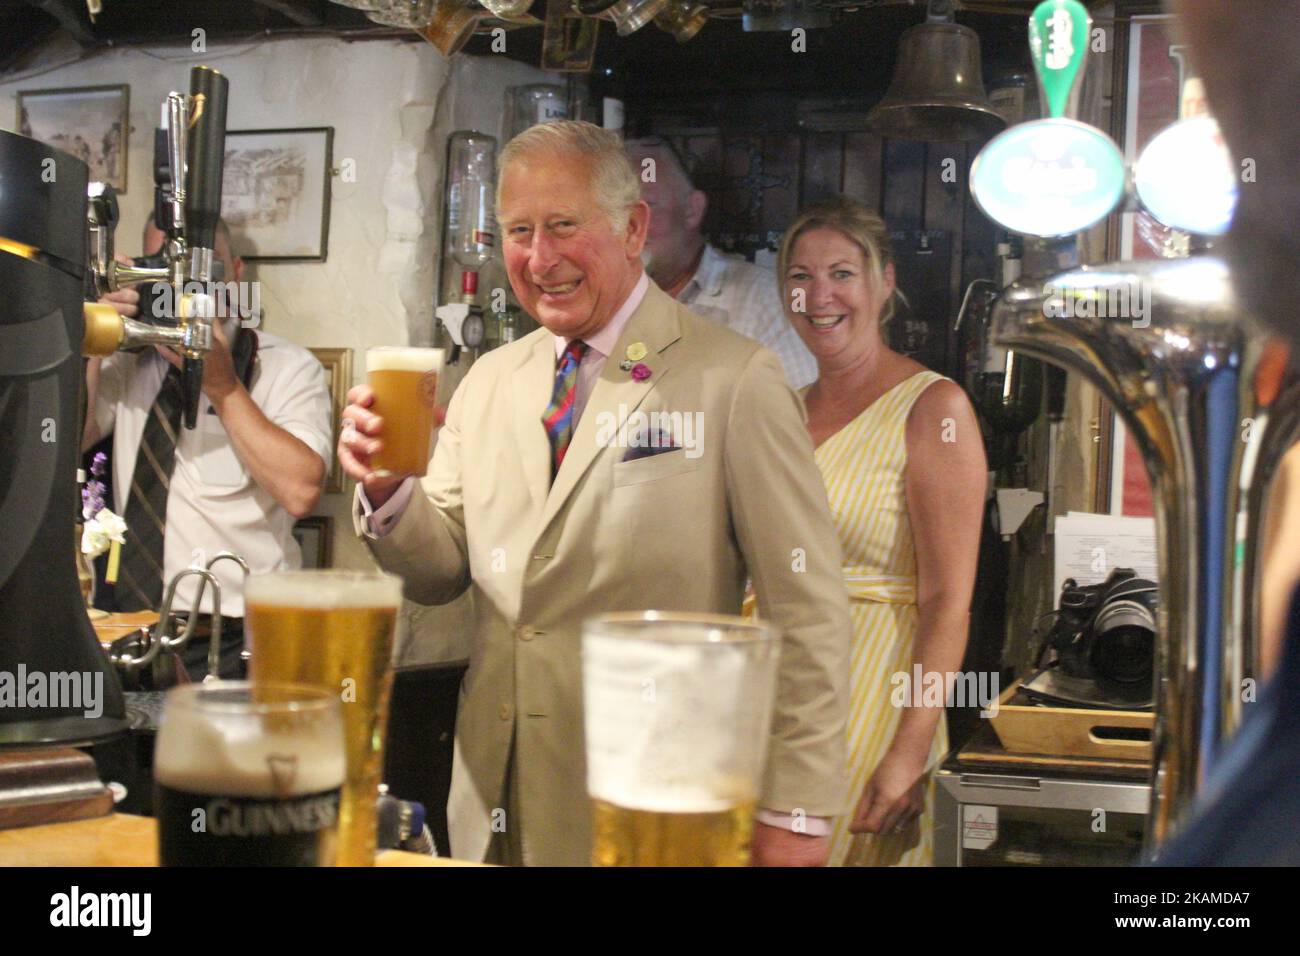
1190	373
196	135
49	260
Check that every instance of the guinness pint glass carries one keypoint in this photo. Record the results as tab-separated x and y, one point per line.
248	776
678	714
405	382
334	630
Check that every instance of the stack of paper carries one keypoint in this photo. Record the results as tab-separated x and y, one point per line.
1089	547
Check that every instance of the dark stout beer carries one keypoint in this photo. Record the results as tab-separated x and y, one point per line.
248	777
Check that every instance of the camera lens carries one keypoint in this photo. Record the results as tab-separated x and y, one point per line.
1124	648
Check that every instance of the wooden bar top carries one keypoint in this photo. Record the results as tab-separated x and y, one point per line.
120	839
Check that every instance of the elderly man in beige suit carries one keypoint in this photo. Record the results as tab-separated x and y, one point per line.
542	498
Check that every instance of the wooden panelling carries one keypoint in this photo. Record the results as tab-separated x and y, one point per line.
904	190
862	168
823	167
946	178
780	198
740	195
759	176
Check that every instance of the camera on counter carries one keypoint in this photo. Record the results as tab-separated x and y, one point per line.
1105	633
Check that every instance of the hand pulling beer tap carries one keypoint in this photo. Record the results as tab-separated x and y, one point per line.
196	132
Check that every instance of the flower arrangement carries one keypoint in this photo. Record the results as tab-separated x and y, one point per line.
103	530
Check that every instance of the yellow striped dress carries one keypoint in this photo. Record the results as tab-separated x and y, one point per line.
863	467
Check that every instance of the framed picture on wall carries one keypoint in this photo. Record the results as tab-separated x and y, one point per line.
338	371
276	192
315	536
90	122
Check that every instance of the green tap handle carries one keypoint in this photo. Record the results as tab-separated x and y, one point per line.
1058	40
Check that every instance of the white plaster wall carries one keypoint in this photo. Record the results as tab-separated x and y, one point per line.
391	105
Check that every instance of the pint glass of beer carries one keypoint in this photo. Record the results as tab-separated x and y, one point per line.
248	776
405	381
678	719
334	630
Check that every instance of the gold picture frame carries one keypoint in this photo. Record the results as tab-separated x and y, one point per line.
92	123
338	368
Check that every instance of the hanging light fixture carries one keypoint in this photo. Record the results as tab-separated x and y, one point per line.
937	91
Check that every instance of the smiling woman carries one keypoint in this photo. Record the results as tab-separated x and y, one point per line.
902	459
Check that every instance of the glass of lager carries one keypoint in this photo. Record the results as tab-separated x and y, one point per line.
678	714
405	382
248	776
334	630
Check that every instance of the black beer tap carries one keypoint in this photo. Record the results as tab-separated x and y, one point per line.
187	209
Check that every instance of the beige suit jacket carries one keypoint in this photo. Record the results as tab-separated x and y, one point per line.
666	532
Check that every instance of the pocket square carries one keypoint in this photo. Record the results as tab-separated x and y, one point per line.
648	445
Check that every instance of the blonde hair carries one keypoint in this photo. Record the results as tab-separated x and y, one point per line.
614	183
855	222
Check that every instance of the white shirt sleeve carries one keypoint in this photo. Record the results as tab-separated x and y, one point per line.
298	400
108	393
382	519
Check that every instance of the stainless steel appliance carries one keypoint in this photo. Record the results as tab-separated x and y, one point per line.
1058	813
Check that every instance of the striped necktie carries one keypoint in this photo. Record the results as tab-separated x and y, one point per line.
558	417
141	576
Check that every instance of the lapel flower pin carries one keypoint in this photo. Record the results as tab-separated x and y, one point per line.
640	372
636	351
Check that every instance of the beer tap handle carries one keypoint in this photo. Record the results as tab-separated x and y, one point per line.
177	116
1058	42
206	157
192	383
101	221
198	199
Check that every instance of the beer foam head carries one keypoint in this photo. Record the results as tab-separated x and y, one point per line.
209	746
678	722
324	590
394	359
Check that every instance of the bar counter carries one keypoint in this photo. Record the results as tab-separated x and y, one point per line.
120	839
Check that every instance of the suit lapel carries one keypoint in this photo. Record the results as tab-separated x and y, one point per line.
531	385
616	394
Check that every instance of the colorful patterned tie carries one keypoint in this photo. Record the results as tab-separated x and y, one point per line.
558	417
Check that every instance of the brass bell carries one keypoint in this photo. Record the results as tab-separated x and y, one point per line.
937	91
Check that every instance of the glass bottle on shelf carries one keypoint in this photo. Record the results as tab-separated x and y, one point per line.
471	217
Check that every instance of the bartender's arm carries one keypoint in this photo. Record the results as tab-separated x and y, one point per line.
279	462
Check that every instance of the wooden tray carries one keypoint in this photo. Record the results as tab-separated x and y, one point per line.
1070	731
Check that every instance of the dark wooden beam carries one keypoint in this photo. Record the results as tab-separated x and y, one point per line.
302	12
13	51
71	15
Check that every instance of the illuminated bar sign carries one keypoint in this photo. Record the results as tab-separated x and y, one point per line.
1048	178
1186	179
1056	176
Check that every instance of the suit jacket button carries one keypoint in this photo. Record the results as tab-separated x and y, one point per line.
526	633
504	711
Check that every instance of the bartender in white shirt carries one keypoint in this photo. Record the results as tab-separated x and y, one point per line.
254	464
740	295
